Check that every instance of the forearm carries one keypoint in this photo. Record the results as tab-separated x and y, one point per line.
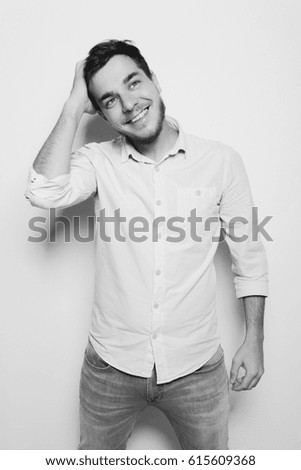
54	157
250	354
254	314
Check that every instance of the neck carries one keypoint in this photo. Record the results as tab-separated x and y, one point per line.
164	142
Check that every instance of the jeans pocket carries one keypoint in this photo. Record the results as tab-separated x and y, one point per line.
94	360
213	363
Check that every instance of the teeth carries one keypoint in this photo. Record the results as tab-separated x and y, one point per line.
139	116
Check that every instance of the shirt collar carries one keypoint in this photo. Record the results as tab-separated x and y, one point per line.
180	146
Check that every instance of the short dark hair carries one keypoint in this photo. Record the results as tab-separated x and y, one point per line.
100	54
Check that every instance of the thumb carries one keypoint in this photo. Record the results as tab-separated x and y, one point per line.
234	370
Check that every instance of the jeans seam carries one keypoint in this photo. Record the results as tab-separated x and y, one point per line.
97	368
210	369
106	365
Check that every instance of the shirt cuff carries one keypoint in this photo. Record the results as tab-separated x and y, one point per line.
252	288
37	180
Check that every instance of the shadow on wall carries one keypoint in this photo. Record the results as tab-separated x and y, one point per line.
152	424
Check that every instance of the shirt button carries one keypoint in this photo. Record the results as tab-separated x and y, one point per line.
154	336
198	192
156	306
158	272
160	235
158	202
157	168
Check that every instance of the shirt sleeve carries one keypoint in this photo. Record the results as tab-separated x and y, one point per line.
249	262
63	190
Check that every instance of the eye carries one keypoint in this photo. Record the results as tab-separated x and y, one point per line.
134	84
110	102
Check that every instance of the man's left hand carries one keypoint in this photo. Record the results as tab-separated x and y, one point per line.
250	358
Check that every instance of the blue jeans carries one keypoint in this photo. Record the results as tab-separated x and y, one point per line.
111	401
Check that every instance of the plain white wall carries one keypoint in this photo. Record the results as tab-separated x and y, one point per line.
230	71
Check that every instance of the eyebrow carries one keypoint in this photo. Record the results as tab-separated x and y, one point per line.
129	77
126	80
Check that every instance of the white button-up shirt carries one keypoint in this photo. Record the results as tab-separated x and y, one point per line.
155	277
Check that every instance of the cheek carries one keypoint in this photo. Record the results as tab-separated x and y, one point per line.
112	116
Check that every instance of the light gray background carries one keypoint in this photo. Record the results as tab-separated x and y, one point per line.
230	71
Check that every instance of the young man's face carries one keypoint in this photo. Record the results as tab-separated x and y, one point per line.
128	99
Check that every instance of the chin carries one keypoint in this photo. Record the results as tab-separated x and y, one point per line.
149	136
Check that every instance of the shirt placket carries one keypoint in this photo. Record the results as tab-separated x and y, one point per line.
160	210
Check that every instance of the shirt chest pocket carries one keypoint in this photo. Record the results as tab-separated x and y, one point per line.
201	198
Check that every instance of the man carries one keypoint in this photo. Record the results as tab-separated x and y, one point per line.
162	200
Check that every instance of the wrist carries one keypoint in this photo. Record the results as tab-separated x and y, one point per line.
73	110
254	337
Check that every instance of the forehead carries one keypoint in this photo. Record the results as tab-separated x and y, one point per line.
112	75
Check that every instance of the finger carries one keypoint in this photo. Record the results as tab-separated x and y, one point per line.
246	382
256	380
234	371
80	63
80	66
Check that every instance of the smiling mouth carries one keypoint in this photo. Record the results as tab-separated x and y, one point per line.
139	116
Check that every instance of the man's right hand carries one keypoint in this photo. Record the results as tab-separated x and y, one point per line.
54	157
79	101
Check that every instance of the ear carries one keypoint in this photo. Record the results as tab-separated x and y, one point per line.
156	82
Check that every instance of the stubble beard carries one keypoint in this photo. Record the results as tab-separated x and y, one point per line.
148	139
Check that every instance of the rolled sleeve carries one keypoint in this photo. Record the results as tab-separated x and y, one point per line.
249	261
63	190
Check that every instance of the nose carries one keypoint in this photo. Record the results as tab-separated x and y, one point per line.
128	102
